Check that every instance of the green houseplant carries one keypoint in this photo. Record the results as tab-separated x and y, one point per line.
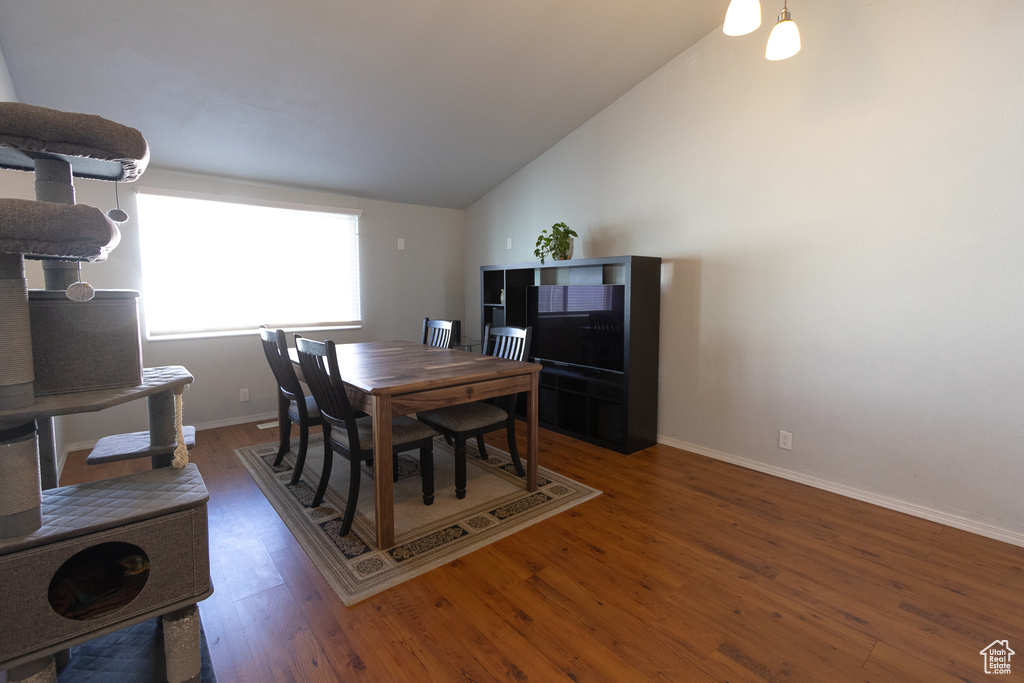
558	244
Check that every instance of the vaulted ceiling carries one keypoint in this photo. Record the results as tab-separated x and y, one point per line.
430	102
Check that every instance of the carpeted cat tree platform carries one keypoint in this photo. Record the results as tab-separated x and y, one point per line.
82	561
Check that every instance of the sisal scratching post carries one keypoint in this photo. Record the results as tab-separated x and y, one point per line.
16	374
181	644
20	495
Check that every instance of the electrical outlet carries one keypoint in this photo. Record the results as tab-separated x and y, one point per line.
243	395
401	244
508	242
786	440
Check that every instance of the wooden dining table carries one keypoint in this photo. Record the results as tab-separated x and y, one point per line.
386	379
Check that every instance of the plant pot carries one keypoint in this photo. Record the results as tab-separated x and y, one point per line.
566	255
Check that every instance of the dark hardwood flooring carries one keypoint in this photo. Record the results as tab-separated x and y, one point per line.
686	569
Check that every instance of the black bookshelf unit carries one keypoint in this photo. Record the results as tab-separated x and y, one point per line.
616	410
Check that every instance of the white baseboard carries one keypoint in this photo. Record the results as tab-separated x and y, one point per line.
945	518
237	420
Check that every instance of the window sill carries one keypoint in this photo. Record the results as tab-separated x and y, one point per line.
245	333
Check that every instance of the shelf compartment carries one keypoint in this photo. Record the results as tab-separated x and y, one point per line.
572	412
607	421
607	391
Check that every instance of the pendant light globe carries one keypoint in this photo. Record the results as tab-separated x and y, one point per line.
784	41
742	17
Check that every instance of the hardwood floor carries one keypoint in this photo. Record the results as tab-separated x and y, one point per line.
686	569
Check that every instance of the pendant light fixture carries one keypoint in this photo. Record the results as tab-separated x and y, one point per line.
784	41
742	17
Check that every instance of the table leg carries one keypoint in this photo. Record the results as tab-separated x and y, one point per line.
382	471
532	398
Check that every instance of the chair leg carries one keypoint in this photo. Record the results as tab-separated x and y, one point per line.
325	474
513	451
284	430
300	457
481	447
460	467
427	470
355	474
394	468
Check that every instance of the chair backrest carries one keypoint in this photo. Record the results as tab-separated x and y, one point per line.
319	363
512	343
437	333
275	346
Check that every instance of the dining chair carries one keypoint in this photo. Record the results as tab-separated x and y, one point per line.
352	437
437	333
293	406
468	420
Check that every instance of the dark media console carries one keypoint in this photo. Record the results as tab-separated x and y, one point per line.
595	330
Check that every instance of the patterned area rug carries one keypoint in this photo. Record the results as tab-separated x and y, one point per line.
496	505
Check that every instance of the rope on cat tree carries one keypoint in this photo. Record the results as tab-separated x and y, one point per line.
181	452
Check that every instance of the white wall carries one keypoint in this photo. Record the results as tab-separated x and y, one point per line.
842	239
399	288
6	86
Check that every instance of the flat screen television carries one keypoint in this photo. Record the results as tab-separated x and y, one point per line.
580	325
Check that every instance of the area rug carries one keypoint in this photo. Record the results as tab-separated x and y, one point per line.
496	504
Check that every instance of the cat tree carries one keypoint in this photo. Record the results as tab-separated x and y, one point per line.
81	561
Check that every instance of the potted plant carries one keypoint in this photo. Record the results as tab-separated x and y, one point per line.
558	244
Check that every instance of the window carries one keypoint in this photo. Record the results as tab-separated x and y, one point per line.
216	267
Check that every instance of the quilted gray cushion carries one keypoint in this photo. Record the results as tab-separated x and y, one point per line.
135	445
52	230
464	417
111	151
404	430
72	511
